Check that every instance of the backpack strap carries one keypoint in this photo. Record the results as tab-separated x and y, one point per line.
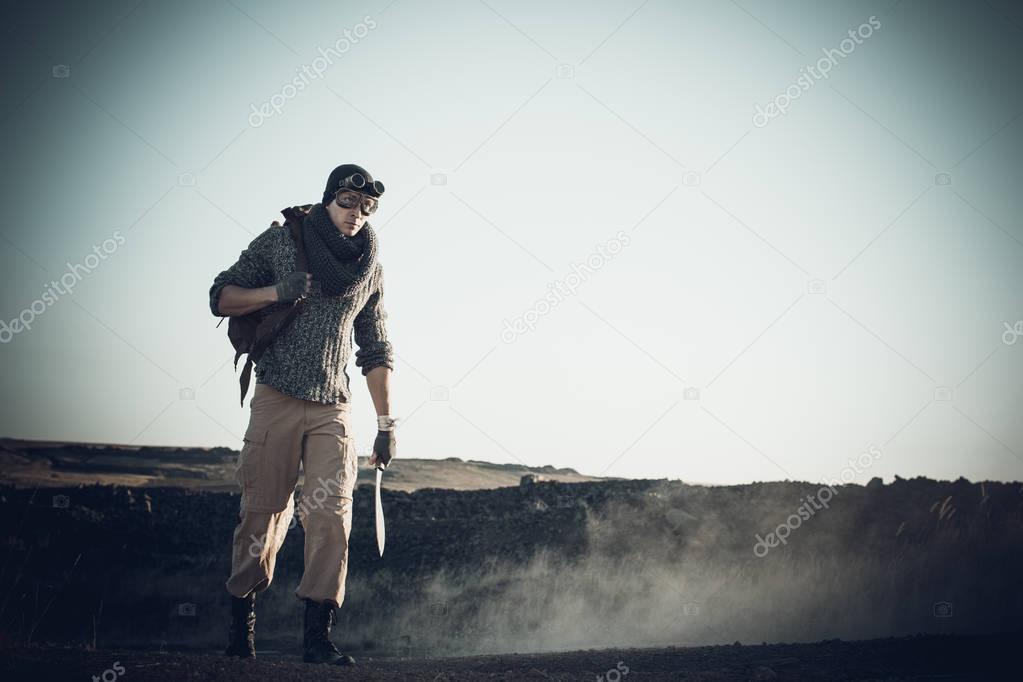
271	325
296	234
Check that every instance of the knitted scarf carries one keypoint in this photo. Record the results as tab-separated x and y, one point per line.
340	263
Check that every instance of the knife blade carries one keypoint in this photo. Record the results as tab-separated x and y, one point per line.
381	534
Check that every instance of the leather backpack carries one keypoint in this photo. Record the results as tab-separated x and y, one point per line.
253	332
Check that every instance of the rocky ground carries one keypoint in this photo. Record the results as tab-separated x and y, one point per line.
642	572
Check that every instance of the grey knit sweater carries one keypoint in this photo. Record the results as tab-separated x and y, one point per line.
308	360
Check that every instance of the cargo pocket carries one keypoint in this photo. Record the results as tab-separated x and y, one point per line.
344	452
252	463
349	466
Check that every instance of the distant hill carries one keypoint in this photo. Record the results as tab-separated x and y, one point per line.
28	463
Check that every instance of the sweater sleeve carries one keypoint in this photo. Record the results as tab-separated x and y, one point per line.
251	271
371	332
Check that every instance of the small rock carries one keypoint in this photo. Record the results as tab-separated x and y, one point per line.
530	479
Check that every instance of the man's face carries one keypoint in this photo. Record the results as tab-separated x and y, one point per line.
347	220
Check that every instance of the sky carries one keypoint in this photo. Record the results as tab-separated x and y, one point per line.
720	242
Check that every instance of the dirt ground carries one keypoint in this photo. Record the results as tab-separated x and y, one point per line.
932	657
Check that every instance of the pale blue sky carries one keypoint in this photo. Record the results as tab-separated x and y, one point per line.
894	182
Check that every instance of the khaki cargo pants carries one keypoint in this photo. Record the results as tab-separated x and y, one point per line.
284	431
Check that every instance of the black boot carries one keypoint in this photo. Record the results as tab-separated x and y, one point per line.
241	640
319	618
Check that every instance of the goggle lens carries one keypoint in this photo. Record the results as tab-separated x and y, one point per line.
349	199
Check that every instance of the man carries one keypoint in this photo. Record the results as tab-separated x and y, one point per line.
300	407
